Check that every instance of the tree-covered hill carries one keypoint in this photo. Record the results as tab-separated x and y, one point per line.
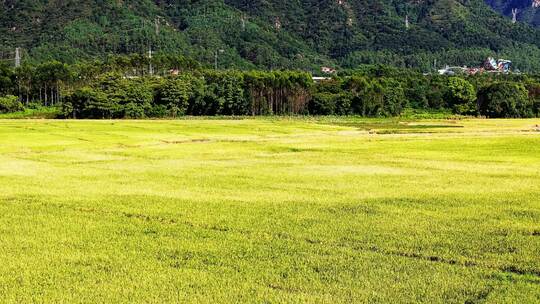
271	34
526	12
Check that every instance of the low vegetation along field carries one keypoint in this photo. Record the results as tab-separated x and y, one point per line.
270	210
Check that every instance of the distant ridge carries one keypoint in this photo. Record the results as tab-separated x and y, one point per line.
528	10
272	34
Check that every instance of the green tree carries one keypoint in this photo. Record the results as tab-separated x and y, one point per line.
394	100
359	89
175	95
504	100
138	98
87	102
461	96
323	103
25	77
50	76
6	78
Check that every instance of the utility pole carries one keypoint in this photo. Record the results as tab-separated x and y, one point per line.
17	57
156	22
150	67
243	20
216	58
407	21
277	23
514	15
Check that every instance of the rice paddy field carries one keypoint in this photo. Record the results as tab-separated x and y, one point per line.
284	210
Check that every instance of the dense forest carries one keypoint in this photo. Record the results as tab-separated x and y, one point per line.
167	58
172	86
269	34
525	10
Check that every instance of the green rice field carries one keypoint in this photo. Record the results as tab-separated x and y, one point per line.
270	210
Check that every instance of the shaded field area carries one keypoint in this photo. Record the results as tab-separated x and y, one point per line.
321	210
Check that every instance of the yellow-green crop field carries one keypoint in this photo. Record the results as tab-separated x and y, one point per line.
283	210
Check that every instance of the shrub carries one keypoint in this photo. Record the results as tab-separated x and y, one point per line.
133	110
10	104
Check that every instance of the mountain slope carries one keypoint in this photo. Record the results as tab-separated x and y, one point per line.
301	34
526	12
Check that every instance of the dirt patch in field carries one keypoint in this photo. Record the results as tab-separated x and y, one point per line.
186	141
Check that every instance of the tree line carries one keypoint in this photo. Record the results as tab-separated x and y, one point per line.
126	87
198	93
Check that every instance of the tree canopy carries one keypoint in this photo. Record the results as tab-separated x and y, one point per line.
268	34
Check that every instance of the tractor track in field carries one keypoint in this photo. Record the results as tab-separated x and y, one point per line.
525	274
468	263
374	249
